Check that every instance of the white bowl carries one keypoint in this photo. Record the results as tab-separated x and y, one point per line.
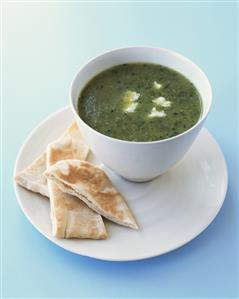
141	161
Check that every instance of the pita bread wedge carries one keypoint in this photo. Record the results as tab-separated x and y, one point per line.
91	184
71	217
32	177
68	146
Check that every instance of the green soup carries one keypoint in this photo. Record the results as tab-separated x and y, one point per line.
140	102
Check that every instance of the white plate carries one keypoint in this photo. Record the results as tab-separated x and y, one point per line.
171	210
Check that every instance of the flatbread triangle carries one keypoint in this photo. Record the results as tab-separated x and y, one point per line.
89	183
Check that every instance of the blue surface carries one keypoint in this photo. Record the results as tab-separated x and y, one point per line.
44	45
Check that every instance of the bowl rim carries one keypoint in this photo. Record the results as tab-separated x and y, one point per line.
171	52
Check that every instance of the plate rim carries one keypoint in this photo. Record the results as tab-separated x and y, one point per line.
142	257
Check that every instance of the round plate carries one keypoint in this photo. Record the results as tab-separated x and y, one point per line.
170	210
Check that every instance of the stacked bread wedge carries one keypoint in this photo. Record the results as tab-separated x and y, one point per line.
80	193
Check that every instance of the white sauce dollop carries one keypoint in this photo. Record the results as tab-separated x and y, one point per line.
130	101
131	108
161	101
155	113
157	85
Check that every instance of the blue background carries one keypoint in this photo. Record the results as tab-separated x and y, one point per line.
44	44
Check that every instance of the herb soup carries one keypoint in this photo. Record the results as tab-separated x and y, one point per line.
140	102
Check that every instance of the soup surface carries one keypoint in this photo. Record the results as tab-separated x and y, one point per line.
140	102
